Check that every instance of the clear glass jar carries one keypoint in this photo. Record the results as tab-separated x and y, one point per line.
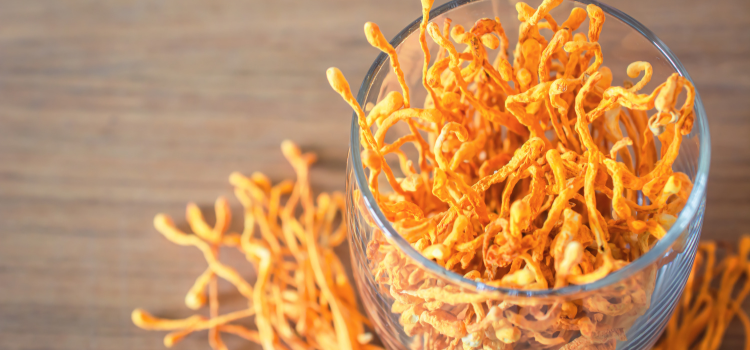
649	286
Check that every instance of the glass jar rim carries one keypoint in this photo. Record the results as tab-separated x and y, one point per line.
695	199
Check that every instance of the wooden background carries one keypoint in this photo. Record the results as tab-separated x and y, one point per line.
112	111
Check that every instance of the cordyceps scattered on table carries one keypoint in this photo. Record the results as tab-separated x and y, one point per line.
302	298
711	299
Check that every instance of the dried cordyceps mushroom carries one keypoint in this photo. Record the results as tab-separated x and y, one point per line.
525	180
711	300
513	209
302	298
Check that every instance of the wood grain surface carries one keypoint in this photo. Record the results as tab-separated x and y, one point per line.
112	111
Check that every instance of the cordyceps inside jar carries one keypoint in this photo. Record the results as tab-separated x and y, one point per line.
524	176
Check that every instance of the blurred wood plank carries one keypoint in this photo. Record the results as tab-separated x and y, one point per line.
113	111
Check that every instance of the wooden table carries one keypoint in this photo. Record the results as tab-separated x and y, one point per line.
113	111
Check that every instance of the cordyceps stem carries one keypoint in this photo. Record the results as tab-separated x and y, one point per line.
426	5
262	312
144	320
343	334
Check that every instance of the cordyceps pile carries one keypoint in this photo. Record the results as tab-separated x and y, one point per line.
711	299
519	186
524	180
302	298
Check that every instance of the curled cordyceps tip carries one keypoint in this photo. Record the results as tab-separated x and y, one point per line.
594	47
635	68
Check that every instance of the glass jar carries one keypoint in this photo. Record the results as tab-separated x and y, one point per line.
634	302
